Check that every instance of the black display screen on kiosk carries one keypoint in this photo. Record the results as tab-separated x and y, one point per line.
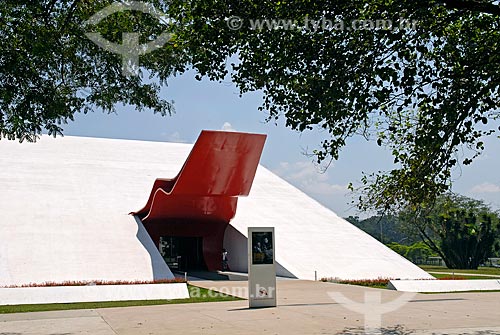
262	248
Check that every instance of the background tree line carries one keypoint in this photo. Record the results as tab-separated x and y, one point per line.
464	232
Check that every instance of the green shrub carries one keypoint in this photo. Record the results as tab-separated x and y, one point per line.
417	252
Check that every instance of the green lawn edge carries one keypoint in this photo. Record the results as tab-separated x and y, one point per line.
197	295
480	270
460	277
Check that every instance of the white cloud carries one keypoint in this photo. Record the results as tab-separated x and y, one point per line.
300	170
486	188
174	137
308	177
324	188
227	127
483	157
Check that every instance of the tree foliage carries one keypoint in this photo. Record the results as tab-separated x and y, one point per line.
424	91
49	69
418	252
385	228
463	231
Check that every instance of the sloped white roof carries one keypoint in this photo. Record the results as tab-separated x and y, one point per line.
310	237
64	207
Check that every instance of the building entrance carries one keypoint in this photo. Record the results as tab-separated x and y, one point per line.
183	253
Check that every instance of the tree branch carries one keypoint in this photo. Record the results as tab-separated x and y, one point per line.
71	12
474	6
430	243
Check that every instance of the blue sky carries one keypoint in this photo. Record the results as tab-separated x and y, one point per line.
209	105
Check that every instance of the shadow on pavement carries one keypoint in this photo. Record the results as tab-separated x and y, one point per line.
400	330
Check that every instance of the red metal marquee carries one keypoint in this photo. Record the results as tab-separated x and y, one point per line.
201	200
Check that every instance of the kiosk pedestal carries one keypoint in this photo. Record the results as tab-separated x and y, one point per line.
261	267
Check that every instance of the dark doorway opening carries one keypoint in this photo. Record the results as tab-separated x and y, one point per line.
199	243
183	253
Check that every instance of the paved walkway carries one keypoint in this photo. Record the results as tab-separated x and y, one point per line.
305	307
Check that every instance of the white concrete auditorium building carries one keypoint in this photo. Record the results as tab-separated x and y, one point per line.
85	209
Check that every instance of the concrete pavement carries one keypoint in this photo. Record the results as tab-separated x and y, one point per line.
305	307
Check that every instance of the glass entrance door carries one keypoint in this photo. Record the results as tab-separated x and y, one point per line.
182	253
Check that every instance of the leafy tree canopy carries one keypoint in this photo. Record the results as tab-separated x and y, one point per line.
424	91
385	228
418	252
463	231
50	70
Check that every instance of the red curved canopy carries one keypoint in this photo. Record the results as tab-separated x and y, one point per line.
202	198
220	167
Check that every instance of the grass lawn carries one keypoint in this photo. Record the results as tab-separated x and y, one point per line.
458	276
376	283
197	294
481	270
